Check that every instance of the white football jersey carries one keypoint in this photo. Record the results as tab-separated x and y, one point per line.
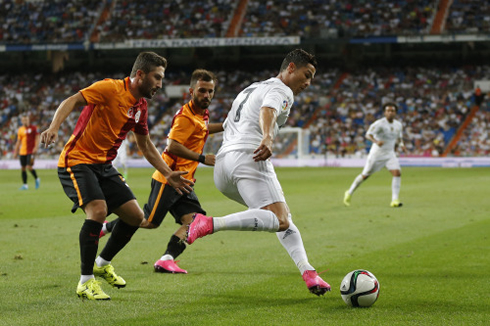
388	132
242	128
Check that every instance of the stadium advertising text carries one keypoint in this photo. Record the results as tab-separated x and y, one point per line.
201	42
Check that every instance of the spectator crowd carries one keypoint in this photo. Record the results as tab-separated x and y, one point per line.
63	21
337	109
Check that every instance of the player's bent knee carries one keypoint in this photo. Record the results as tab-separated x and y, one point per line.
98	214
281	212
148	225
283	224
152	226
396	173
96	210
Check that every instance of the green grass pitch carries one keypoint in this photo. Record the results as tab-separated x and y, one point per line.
431	256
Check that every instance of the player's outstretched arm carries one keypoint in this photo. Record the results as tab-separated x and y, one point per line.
50	135
372	139
267	120
177	149
215	127
36	144
151	153
17	147
401	145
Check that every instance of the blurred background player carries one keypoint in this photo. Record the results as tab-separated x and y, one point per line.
112	108
186	139
244	171
121	160
26	147
385	134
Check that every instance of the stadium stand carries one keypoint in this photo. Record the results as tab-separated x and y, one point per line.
436	105
433	104
33	22
312	18
37	22
165	20
468	16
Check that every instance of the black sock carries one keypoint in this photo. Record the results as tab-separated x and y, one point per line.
33	172
24	177
175	246
89	243
110	225
121	234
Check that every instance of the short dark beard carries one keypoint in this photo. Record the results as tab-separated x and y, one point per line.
145	89
202	104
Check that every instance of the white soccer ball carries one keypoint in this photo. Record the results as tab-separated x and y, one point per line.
359	288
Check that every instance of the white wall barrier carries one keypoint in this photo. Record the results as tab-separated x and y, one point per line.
447	162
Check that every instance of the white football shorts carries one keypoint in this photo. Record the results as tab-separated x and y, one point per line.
375	163
253	184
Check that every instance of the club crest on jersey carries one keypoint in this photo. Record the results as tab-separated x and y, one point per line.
132	114
285	104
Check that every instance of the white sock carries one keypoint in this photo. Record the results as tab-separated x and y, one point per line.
104	228
85	278
167	257
249	220
357	182
395	187
293	243
101	261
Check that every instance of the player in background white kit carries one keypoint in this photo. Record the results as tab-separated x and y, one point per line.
244	172
121	160
385	134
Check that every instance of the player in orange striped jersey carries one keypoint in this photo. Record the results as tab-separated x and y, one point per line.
189	131
112	109
26	147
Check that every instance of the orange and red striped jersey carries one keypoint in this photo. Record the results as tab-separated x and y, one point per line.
27	136
190	130
111	112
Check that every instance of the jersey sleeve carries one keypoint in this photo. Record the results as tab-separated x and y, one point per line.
98	91
278	99
141	126
182	129
373	128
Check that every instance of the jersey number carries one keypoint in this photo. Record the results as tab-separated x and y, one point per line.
248	91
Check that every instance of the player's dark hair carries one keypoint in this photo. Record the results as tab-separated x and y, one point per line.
204	75
300	58
147	62
389	104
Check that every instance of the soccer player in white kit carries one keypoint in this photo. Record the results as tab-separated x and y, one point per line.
244	172
385	133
